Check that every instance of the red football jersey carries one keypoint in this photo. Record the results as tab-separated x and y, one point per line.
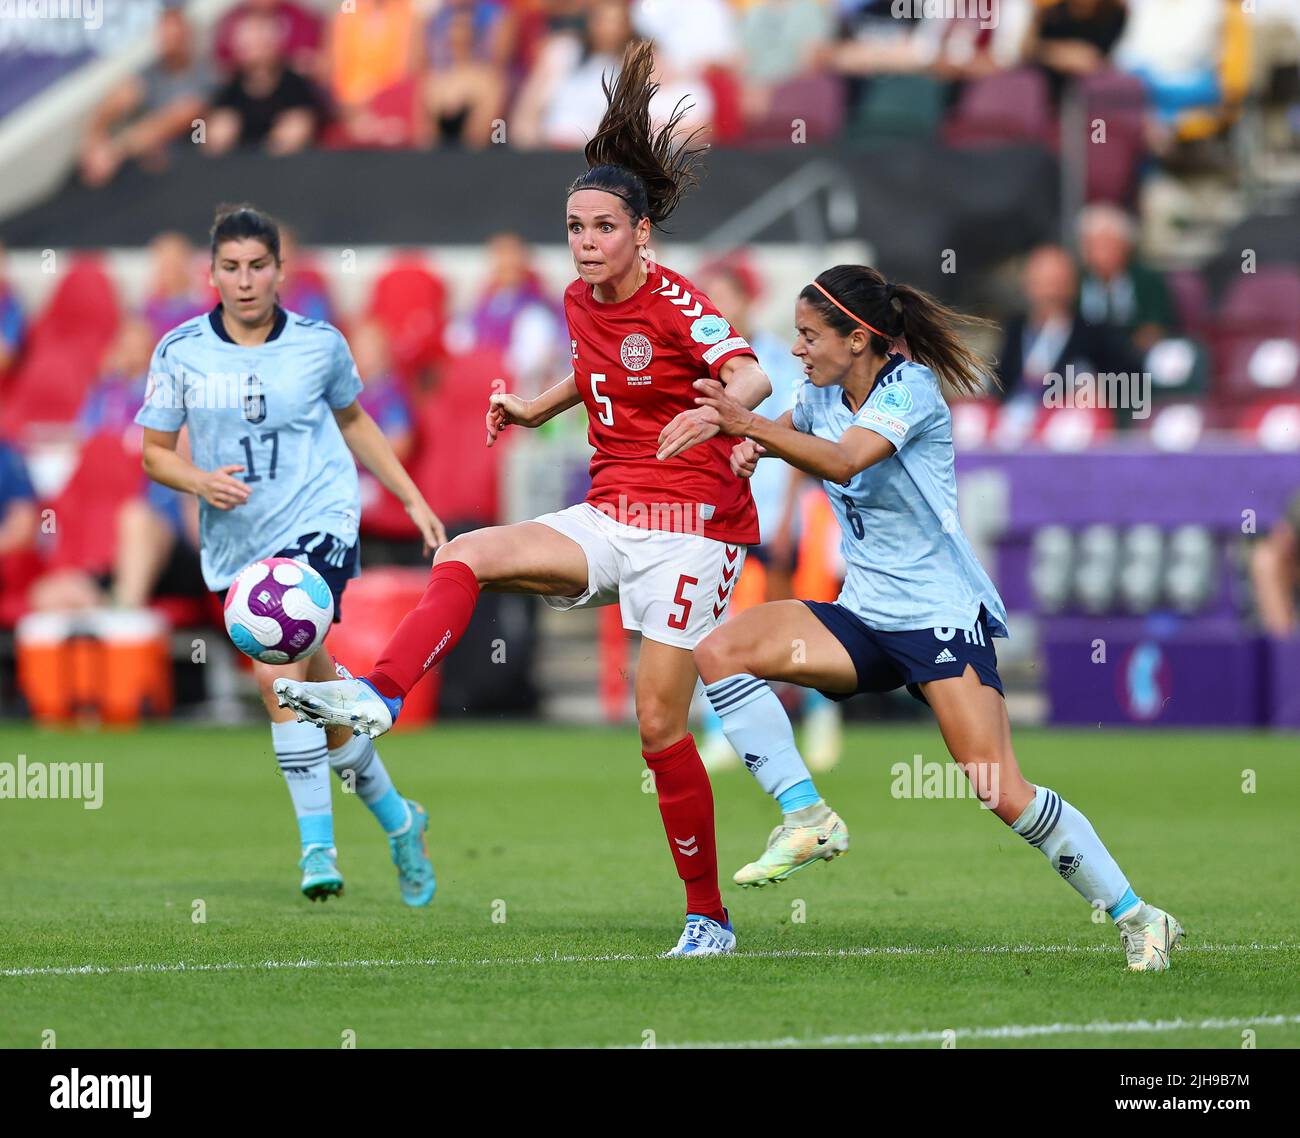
635	363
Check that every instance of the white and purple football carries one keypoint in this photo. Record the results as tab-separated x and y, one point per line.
278	610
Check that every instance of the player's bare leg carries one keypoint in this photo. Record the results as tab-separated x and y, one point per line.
781	640
528	557
665	682
973	720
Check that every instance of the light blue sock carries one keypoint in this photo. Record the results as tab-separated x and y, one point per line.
757	726
300	751
1069	842
371	781
798	796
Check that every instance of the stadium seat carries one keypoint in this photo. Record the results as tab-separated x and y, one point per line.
1176	426
395	106
1191	297
1257	339
973	421
1273	425
64	350
1119	101
456	472
1073	428
899	106
815	100
107	475
409	300
1010	107
728	123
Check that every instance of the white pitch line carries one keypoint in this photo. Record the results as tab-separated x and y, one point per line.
1006	1031
616	957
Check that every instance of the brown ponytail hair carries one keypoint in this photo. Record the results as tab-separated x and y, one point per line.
651	170
893	312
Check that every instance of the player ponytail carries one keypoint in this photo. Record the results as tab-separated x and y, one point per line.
850	297
651	170
242	221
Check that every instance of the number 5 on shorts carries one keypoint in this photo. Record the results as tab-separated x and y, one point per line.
679	621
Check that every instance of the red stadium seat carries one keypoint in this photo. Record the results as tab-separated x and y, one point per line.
107	475
456	472
1272	424
1073	428
1257	342
410	300
1191	300
815	100
1010	107
64	350
973	421
1119	101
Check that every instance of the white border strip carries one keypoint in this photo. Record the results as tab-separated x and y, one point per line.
306	964
1008	1031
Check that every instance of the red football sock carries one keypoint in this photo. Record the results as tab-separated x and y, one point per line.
686	804
429	631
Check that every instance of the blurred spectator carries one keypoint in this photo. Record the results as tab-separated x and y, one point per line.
494	26
144	113
690	35
375	46
872	40
1072	38
561	101
299	32
13	325
1116	287
465	89
382	395
514	316
265	103
778	37
111	403
1051	336
174	295
18	516
1174	46
1275	573
303	289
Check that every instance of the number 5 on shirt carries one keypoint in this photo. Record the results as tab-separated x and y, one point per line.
606	405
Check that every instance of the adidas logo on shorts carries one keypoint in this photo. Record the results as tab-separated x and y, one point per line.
945	657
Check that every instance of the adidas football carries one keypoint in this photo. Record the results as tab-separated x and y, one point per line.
278	610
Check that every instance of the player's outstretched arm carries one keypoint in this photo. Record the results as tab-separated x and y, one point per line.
839	461
505	409
219	488
745	382
366	441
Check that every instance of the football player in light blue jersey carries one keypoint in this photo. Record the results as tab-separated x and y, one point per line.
733	286
269	399
917	608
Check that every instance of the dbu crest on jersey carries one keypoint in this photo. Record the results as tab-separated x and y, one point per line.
636	352
254	400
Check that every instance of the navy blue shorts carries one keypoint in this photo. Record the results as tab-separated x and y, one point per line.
327	554
888	660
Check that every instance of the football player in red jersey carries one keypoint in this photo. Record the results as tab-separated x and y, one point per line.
664	529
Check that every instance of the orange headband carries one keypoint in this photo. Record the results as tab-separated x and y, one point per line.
849	314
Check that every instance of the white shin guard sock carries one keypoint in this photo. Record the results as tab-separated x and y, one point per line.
757	726
300	751
1069	842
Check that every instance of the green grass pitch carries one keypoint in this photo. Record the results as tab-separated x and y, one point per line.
556	892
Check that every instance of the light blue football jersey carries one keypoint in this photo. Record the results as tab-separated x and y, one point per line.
269	409
909	565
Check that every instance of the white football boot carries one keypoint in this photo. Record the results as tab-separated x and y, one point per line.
1150	935
338	703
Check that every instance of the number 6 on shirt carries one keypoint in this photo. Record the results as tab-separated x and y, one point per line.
606	405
